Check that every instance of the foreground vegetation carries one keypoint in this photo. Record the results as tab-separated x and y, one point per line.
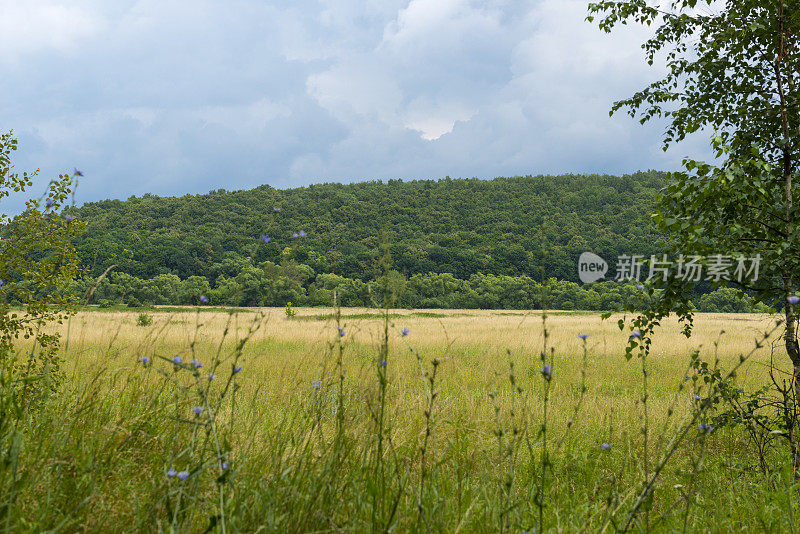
429	421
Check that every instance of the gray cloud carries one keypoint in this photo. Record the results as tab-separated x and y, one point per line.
174	97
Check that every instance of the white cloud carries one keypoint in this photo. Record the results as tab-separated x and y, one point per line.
174	96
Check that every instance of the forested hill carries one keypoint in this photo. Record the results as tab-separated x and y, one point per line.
458	226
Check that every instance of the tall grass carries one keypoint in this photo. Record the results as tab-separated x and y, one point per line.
351	422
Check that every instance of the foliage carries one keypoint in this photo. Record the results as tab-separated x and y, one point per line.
463	227
144	319
37	261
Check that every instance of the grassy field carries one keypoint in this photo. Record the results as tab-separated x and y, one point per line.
452	427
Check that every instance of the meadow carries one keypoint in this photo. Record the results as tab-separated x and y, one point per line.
421	420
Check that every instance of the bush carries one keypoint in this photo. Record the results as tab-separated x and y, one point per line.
144	320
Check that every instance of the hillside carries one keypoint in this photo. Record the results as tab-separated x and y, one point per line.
458	226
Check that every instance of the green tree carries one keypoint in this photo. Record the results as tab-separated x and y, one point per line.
734	69
37	263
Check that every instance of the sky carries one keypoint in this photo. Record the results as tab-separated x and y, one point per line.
175	97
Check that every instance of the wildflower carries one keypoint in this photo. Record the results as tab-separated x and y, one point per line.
341	331
183	475
302	233
639	286
1	283
705	428
49	203
171	472
547	372
237	369
76	172
145	360
583	336
276	209
203	299
197	364
211	377
69	218
697	397
316	384
793	300
265	238
636	334
382	363
605	446
177	359
294	235
224	465
197	410
405	331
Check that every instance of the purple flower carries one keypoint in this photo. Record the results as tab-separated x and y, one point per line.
145	360
382	363
583	336
265	238
76	172
405	331
793	300
203	299
49	202
69	218
301	233
294	235
316	384
697	397
197	364
183	475
177	359
705	428
276	209
636	334
1	283
211	377
605	446
237	369
197	410
639	286
171	472
547	372
224	465
341	331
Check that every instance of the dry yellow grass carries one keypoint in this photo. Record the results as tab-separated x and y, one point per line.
285	356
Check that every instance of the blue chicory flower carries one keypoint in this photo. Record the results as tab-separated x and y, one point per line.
547	372
183	475
197	410
177	359
171	472
405	331
583	336
605	446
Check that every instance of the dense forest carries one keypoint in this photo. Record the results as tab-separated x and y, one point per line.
453	243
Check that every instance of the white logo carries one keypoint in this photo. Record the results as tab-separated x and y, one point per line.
591	267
